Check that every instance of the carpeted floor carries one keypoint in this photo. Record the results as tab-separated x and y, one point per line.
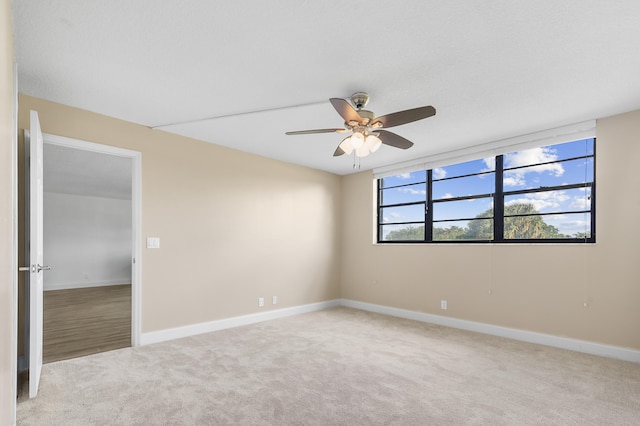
337	367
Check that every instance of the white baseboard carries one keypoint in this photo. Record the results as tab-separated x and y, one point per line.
68	286
592	348
206	327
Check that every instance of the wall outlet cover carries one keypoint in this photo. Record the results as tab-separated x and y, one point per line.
153	242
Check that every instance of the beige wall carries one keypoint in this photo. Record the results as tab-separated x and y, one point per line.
7	262
233	226
541	288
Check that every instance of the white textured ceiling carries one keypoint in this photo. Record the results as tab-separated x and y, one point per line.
79	172
493	69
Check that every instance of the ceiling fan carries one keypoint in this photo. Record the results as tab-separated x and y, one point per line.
367	130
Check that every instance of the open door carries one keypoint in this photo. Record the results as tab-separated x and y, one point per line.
34	147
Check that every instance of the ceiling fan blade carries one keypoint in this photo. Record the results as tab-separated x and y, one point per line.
338	152
394	140
345	110
309	132
404	117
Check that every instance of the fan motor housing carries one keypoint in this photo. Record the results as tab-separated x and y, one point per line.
366	114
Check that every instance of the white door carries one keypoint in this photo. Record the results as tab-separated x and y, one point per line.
33	145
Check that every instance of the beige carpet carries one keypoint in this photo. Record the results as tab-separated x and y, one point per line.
337	367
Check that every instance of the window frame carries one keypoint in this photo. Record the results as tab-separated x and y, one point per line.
497	197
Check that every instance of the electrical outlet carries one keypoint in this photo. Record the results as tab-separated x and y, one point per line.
260	302
443	305
274	300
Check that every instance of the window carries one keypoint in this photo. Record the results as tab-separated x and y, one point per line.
544	194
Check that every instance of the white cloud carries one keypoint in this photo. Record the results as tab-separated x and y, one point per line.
447	195
568	227
580	203
542	200
491	164
556	217
559	196
513	179
439	173
583	201
405	176
392	218
530	156
413	191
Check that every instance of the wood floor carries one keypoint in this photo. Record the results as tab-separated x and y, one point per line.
85	321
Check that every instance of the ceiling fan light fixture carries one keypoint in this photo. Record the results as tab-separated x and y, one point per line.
368	131
345	145
363	151
357	140
373	142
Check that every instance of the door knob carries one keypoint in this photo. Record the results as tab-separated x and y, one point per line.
34	268
42	268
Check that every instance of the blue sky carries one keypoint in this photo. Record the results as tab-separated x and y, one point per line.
569	172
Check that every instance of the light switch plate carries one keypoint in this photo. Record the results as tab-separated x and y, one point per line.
153	242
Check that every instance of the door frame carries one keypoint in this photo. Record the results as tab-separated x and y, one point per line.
136	229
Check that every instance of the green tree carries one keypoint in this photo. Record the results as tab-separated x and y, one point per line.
448	234
528	225
480	229
410	233
515	228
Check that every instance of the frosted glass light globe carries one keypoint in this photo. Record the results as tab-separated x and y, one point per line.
373	142
357	140
345	145
363	151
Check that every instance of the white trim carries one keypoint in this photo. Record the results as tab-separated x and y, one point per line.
13	351
609	351
89	146
84	284
136	253
136	203
592	348
222	324
572	132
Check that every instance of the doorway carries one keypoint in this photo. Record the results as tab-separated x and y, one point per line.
91	241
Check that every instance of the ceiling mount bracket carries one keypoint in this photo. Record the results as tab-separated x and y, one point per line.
360	99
